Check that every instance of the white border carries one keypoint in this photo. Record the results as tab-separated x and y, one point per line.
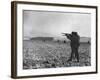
21	72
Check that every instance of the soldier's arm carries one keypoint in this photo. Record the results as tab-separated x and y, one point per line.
69	36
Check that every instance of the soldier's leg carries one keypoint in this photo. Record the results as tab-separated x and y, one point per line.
77	54
71	56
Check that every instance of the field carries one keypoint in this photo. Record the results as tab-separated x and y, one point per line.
50	54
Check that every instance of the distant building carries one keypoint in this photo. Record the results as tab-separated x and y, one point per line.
42	38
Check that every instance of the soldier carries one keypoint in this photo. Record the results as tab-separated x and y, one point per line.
74	38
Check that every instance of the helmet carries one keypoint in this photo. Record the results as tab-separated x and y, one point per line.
74	33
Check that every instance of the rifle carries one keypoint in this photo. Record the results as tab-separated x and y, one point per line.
66	34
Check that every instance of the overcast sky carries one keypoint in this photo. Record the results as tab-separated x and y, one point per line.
42	23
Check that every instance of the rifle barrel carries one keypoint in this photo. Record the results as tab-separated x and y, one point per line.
64	33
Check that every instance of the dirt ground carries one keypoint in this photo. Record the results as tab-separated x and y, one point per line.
50	54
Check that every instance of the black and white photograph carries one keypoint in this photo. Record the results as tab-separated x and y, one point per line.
56	39
53	39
